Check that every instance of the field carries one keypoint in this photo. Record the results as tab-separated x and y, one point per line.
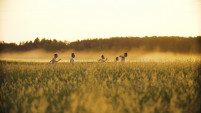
132	87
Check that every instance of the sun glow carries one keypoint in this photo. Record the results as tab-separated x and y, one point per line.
71	20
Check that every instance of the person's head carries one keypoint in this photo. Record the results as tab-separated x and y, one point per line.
73	55
103	57
117	58
125	54
55	55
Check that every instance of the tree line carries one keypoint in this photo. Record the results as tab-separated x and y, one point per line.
160	43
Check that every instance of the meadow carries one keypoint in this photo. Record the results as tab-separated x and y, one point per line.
131	87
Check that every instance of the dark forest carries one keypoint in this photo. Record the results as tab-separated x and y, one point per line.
173	44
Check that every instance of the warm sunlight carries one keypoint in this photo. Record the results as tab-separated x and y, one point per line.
71	20
100	56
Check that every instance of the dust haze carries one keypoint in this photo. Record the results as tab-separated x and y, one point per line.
90	56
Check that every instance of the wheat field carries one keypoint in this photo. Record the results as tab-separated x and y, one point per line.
135	87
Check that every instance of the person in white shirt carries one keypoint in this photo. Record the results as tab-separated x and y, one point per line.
123	57
54	59
72	58
103	59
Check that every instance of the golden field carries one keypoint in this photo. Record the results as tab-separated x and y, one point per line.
130	87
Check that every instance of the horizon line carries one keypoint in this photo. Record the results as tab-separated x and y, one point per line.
98	38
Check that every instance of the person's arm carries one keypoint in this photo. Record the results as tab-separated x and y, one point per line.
51	60
105	60
58	60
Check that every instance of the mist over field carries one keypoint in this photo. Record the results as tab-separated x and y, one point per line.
40	55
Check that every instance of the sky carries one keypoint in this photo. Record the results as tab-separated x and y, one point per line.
71	20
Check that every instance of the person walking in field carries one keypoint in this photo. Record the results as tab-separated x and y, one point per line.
123	57
72	58
54	59
116	59
103	59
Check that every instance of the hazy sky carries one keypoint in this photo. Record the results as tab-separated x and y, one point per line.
70	20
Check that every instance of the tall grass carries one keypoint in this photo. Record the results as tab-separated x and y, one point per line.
140	87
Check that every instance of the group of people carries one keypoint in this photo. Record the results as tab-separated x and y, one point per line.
103	59
123	57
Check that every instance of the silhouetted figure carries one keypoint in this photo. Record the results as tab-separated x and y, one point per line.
54	59
72	58
102	59
116	59
123	57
